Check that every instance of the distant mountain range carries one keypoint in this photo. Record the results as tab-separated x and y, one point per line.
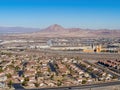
59	31
6	30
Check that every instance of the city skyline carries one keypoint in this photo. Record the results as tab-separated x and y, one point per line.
93	14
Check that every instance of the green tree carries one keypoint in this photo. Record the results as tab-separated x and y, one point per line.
26	79
10	84
17	68
59	83
9	75
24	83
51	77
1	70
36	84
84	82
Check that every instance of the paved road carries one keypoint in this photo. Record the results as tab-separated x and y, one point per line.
92	56
87	56
82	87
73	87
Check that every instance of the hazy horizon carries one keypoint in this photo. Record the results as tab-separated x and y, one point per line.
50	28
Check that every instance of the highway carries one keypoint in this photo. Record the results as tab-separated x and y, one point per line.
87	56
81	87
82	55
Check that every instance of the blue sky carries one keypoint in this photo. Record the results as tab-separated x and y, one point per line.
94	14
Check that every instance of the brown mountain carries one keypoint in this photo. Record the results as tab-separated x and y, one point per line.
53	28
59	31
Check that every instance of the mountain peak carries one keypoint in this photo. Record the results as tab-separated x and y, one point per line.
55	27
